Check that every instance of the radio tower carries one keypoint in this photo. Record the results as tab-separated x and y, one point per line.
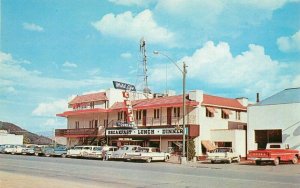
146	89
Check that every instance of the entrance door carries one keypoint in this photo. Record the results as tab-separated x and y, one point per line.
144	117
169	116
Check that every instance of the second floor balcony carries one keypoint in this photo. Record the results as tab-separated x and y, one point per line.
80	132
160	121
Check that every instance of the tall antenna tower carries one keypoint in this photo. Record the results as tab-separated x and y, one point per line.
146	89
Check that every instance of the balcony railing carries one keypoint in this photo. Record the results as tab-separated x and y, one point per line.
161	121
81	132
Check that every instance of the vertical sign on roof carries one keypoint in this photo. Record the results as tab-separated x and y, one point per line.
128	105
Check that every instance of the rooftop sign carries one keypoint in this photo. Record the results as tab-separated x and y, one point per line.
124	86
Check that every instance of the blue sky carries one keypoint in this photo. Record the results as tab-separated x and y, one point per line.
54	50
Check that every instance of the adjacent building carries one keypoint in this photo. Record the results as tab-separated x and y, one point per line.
103	118
6	138
275	120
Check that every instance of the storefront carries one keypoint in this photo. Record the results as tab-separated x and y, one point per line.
166	138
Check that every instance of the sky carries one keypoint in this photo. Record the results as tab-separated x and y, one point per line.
53	50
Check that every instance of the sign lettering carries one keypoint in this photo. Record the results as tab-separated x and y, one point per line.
165	131
124	86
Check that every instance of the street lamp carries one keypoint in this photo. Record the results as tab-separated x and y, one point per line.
184	72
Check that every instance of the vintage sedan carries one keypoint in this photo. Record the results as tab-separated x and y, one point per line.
9	148
109	150
29	150
223	154
59	151
74	151
92	152
147	154
18	149
123	150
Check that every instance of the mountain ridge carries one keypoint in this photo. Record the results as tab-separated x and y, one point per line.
29	137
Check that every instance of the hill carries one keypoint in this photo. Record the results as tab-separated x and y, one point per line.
29	137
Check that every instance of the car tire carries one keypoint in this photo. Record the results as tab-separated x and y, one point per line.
276	161
295	160
258	162
149	160
167	158
212	162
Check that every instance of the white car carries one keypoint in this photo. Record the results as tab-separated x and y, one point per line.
123	150
91	152
109	150
75	151
18	149
223	154
148	154
9	148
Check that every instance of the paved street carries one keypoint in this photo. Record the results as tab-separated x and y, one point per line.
31	171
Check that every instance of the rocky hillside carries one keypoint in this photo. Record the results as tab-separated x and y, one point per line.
29	138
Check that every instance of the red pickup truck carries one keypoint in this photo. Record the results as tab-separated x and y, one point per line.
274	152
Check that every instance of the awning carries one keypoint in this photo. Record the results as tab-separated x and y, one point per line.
80	112
208	145
226	111
211	109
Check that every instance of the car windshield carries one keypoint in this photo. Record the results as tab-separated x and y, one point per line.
78	148
124	148
97	148
222	150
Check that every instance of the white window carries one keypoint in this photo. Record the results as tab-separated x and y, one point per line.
238	115
76	124
177	112
138	115
120	116
156	113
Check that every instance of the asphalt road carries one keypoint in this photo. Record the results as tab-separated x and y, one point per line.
96	173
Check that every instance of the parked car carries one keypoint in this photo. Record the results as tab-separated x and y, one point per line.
2	147
109	150
40	150
147	154
223	154
9	148
123	150
17	149
29	150
74	151
92	152
275	153
60	151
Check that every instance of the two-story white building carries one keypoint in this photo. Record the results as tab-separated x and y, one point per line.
210	121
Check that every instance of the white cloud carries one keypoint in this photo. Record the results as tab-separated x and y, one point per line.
50	109
126	25
32	27
69	65
140	3
289	43
126	55
251	71
18	76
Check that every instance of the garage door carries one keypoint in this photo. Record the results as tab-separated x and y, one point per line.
262	137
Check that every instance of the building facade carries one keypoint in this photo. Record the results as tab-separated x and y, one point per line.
275	120
6	138
104	118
